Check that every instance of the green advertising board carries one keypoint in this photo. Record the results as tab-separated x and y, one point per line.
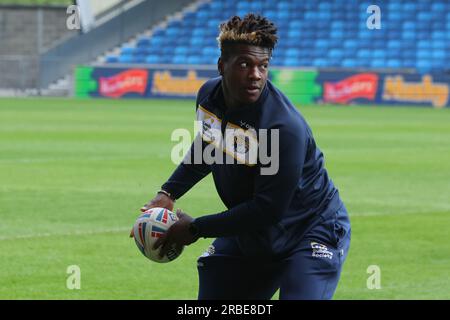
84	83
298	85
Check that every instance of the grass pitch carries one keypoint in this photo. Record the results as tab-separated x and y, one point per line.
73	174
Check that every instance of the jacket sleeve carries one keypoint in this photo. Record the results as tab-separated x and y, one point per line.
272	193
190	171
193	168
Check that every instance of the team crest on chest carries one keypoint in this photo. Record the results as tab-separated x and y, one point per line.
240	144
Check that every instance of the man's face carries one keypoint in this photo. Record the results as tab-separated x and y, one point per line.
244	74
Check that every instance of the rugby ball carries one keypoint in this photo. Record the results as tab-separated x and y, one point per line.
150	226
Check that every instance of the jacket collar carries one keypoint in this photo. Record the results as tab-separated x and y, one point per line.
218	100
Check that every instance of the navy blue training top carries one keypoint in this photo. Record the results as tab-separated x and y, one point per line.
268	213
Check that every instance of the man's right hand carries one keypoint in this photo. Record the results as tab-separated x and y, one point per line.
160	201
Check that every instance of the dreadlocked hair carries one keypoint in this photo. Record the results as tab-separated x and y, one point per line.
252	29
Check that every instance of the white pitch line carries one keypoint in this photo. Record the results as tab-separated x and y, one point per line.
75	233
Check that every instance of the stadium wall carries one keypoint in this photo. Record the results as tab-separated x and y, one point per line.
85	48
25	32
301	86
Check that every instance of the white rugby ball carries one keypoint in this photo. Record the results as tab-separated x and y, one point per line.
150	226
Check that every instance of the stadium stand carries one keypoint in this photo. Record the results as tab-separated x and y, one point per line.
25	32
312	34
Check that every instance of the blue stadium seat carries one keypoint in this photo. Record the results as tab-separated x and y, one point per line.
179	59
378	63
140	51
271	14
438	54
181	50
363	62
176	24
172	32
276	60
377	43
197	41
408	63
152	59
392	7
424	45
364	53
394	63
189	16
291	62
193	60
311	15
127	51
379	54
156	41
202	15
424	54
125	58
438	7
322	44
211	51
244	5
292	53
408	54
158	31
409	35
337	34
197	32
409	7
440	44
336	54
213	23
216	5
423	65
437	64
350	43
112	59
304	63
337	25
167	50
143	42
285	5
439	24
424	16
208	60
439	35
349	63
325	6
184	41
141	58
320	63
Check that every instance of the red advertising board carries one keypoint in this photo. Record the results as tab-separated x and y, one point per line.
133	80
363	85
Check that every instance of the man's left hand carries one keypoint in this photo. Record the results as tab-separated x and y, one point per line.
177	234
